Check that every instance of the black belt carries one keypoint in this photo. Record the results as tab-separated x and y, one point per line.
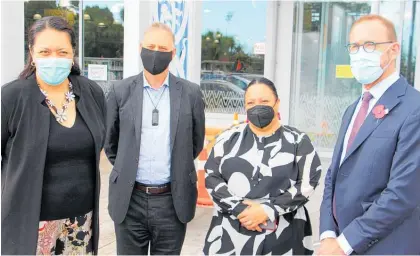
153	190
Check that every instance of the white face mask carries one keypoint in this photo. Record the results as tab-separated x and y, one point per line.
366	67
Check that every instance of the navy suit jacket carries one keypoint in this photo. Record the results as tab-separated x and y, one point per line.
377	187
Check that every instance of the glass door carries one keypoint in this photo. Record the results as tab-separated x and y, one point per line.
103	41
322	84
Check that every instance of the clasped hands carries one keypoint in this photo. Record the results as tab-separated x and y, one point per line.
330	246
253	216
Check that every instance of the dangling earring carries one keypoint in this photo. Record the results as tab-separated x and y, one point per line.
33	65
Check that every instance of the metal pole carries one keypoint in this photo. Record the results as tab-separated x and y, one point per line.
410	71
81	36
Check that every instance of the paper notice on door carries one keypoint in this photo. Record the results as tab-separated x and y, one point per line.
343	71
98	72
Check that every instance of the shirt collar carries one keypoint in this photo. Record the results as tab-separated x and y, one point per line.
378	90
146	84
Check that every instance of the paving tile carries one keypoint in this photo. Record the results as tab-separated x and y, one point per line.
197	228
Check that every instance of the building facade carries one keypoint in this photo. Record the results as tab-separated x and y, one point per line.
223	45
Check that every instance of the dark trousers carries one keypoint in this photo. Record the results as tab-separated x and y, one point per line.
150	218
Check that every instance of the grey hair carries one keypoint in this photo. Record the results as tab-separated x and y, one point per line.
161	26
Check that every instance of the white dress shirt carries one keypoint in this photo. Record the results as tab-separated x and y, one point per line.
377	91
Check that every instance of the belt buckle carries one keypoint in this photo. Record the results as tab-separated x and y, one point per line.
147	190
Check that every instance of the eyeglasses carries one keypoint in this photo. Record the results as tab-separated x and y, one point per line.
367	47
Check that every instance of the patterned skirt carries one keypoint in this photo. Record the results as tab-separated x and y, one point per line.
72	236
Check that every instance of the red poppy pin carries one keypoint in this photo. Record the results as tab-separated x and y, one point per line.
380	111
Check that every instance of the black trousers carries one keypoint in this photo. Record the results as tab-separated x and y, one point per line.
150	219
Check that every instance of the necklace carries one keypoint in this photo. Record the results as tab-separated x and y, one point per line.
60	114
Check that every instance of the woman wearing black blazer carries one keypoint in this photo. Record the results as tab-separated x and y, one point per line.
52	133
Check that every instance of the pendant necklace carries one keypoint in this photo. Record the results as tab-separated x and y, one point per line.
60	114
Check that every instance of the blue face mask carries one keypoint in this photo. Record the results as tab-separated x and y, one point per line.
53	71
366	67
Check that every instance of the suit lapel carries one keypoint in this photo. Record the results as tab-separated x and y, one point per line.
390	100
137	106
175	93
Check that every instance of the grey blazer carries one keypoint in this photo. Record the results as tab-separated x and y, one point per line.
25	126
122	146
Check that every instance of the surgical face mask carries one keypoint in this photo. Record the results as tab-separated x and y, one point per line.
260	115
366	67
53	71
155	62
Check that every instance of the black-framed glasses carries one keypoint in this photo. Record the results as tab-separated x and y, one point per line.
367	47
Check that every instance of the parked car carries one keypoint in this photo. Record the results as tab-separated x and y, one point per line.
229	94
242	80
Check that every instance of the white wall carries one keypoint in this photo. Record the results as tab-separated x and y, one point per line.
137	18
12	40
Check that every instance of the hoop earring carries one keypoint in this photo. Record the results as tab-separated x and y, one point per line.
33	64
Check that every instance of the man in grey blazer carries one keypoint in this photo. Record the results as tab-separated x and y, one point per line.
156	128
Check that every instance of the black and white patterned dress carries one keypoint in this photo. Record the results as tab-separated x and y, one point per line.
279	171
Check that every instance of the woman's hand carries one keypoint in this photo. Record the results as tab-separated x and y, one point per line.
253	216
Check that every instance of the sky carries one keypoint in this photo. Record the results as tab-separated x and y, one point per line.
248	23
114	6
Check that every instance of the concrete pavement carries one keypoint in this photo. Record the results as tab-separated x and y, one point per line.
197	228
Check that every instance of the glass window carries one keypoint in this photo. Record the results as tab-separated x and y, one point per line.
35	10
103	41
102	34
322	86
232	51
409	39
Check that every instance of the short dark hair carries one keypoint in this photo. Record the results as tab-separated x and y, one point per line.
266	82
52	22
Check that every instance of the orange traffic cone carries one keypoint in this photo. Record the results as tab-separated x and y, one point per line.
204	198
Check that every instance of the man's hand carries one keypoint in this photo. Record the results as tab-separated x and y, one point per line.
330	246
253	216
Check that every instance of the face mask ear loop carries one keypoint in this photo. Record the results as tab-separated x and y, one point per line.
389	62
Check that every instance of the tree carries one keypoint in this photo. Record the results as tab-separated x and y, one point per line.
103	38
38	9
215	46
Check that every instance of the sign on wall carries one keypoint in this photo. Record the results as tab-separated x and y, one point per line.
98	72
343	71
175	14
259	48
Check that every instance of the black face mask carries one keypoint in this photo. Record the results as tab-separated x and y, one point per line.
155	62
260	115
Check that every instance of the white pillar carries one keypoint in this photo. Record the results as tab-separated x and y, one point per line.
137	18
12	40
194	41
283	70
271	40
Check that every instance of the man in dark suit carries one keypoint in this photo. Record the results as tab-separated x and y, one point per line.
155	131
371	200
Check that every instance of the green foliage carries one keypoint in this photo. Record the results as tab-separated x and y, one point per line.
216	46
105	40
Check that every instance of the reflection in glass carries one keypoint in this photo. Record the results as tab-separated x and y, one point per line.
35	10
232	52
409	39
320	91
103	40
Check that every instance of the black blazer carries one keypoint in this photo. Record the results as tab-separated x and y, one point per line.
122	146
25	126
